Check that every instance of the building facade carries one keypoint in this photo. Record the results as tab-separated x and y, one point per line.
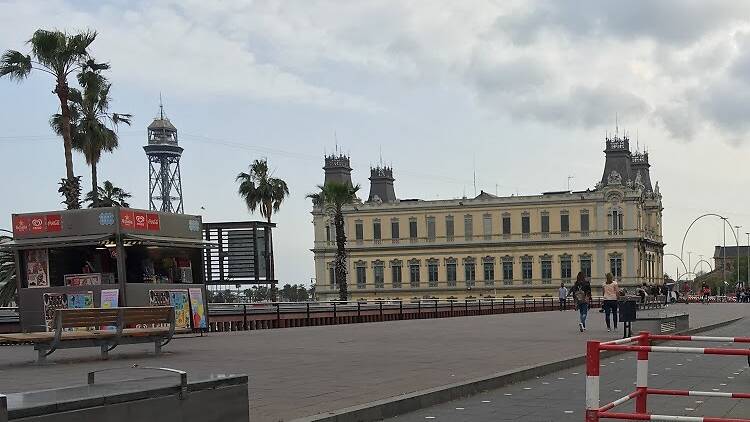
491	246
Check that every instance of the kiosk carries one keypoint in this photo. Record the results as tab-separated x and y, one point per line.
109	257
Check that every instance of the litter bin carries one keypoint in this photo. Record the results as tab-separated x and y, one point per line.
627	315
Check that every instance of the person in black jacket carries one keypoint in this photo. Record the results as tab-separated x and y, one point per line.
581	293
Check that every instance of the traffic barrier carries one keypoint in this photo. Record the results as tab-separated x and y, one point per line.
595	412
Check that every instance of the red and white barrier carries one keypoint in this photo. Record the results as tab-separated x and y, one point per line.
594	412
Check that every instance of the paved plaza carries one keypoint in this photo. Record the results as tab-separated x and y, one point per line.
298	372
559	396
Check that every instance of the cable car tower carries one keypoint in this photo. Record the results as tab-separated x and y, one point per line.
164	183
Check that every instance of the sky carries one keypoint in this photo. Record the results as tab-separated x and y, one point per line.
521	93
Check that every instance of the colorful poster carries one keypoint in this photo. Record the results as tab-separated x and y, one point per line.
198	309
81	300
110	299
92	279
159	298
181	305
53	302
37	267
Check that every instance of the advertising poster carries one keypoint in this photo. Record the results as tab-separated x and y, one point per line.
110	299
91	279
37	267
53	302
198	309
181	305
159	298
80	300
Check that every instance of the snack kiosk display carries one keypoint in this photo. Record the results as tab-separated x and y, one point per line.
109	257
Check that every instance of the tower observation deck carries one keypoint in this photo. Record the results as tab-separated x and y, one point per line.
164	181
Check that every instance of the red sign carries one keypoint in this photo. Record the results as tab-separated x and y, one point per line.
38	224
140	220
127	220
152	222
21	224
54	223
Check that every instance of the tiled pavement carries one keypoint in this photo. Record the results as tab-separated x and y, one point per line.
303	371
559	397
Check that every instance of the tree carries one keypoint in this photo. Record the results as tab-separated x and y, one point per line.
333	196
108	196
60	55
90	119
8	282
260	190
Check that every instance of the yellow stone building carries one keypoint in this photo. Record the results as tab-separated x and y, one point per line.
491	246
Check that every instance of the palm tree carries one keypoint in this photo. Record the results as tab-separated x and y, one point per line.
260	190
58	54
89	119
108	196
8	286
333	196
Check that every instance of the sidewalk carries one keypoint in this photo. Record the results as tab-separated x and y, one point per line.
297	372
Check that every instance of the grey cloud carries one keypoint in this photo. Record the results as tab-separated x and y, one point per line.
680	120
516	76
671	21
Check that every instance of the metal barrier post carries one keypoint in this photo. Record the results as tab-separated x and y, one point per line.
307	312
479	301
451	301
492	306
278	316
381	309
592	381
419	309
359	311
400	309
641	375
335	320
436	309
244	316
3	408
466	307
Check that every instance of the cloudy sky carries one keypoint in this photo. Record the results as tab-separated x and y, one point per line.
521	91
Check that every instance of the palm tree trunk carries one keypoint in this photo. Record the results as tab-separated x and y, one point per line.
61	89
340	262
94	186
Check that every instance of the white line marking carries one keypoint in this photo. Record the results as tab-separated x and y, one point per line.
486	401
568	411
459	408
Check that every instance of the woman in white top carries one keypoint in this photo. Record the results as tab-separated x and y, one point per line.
611	292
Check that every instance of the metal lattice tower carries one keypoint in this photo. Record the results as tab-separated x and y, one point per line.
164	183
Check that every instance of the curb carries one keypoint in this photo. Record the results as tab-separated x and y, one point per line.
405	403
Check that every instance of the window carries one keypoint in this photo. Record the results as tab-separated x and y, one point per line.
432	272
564	224
615	266
507	271
413	229
361	275
376	231
377	269
506	225
468	227
332	277
359	231
566	268
525	225
328	233
586	266
584	222
414	273
449	229
545	224
395	235
396	274
487	226
615	221
489	272
450	271
526	270
546	270
470	271
431	228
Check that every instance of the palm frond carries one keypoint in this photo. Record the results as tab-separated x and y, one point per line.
15	65
8	281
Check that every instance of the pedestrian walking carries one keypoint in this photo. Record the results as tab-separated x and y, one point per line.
611	293
705	291
562	294
581	293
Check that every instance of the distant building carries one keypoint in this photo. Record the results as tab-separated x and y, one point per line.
731	255
491	246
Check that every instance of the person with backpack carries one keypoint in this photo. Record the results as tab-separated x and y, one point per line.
611	293
581	293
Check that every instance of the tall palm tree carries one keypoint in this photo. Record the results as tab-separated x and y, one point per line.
60	55
260	190
8	286
90	117
108	196
333	196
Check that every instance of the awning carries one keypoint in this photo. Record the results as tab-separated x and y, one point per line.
180	242
57	242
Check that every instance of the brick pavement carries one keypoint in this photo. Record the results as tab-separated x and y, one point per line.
303	371
560	396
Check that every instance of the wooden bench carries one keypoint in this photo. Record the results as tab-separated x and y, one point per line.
105	328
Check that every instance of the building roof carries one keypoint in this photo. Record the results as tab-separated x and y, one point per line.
163	123
731	251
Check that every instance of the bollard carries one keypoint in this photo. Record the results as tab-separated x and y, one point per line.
308	313
641	374
244	317
592	381
381	309
3	408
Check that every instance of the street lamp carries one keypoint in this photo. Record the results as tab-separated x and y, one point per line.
737	254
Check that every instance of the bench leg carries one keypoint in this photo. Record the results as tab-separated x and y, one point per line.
105	351
157	347
41	355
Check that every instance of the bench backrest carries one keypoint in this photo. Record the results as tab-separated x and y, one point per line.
148	315
83	318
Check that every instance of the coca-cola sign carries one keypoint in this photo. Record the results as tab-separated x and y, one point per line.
54	223
152	222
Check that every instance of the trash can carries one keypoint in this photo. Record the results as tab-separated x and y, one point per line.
627	315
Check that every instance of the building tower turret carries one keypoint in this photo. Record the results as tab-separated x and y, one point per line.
164	182
640	168
617	169
337	169
381	184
